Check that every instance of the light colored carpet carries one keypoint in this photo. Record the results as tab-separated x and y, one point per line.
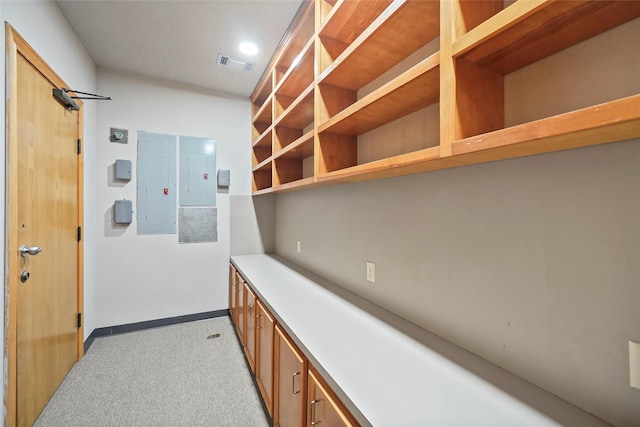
169	376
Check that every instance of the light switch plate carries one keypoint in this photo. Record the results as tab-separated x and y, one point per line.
634	364
371	271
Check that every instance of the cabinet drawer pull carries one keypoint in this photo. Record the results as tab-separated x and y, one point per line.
312	413
293	383
258	316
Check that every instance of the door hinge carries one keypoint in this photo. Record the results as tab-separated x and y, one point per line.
79	146
79	234
79	320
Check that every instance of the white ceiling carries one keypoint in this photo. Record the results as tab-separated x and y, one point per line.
181	40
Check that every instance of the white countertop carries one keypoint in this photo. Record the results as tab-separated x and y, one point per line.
392	379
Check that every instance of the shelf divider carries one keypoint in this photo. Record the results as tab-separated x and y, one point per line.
412	90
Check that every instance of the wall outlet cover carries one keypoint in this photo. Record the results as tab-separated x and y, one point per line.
371	271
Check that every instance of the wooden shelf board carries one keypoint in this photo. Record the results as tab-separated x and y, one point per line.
528	31
298	149
294	41
349	18
264	140
609	122
295	185
414	89
263	89
263	191
298	77
300	112
265	165
265	113
400	30
416	161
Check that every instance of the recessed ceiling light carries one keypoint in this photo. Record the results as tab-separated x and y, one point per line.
248	48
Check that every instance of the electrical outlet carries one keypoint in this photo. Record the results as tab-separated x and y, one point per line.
371	271
634	364
298	246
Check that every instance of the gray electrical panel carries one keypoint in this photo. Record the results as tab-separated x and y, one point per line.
224	178
197	171
123	212
123	169
156	174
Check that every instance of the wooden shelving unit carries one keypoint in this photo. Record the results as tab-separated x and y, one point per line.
355	73
411	91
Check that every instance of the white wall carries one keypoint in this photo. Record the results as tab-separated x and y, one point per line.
149	277
45	29
530	263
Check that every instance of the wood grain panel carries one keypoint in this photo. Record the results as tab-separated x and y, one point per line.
401	29
290	387
249	314
336	152
300	75
548	29
285	136
265	328
300	112
411	91
323	406
348	19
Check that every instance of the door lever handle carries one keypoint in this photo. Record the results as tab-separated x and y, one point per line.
29	250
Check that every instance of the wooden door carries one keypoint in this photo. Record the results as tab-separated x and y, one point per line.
290	383
264	355
45	181
232	293
250	327
240	309
323	405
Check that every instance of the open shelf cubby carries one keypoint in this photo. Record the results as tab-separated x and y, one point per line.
366	89
509	66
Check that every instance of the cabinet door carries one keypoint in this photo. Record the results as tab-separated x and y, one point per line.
323	406
264	355
250	326
232	294
290	378
240	309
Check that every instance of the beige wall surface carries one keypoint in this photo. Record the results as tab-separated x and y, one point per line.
530	263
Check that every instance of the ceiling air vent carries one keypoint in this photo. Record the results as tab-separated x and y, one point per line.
236	64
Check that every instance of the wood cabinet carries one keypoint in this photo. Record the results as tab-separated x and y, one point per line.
233	293
265	326
364	89
323	406
290	382
280	368
250	326
240	322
